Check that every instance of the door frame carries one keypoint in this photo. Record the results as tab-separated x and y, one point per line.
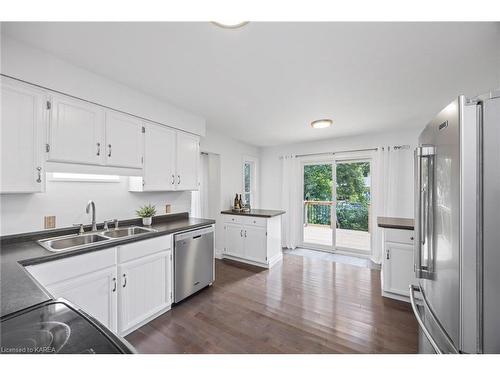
357	157
318	160
335	159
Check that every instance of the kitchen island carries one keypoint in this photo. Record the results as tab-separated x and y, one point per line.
253	237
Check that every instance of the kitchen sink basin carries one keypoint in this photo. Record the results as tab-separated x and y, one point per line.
73	241
79	241
126	232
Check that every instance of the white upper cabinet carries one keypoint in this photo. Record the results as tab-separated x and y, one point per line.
159	158
76	131
188	156
170	160
124	141
22	127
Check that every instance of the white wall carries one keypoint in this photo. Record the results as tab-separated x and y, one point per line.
67	201
231	154
36	66
402	202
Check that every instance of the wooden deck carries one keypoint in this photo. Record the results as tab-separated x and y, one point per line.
351	239
301	305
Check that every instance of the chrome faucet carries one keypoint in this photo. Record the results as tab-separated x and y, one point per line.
87	209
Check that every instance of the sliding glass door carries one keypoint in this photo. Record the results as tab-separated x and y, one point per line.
336	205
353	203
318	204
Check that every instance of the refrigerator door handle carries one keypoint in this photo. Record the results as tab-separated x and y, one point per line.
420	321
423	211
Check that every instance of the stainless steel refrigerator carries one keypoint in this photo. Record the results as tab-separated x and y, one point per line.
457	229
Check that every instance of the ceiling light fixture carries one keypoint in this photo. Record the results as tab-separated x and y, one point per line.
230	25
321	124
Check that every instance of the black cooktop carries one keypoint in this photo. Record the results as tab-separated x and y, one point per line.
57	327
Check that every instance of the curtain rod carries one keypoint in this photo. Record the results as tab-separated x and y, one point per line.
338	152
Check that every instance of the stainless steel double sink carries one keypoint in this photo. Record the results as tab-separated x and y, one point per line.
80	241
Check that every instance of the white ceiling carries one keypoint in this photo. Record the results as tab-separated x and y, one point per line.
266	82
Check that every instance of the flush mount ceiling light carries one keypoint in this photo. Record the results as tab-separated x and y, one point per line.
230	25
321	124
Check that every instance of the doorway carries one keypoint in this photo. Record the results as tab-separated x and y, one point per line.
336	195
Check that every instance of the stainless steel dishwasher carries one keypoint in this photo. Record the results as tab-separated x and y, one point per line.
193	261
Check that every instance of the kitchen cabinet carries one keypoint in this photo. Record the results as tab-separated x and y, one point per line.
123	287
159	160
124	141
234	243
253	240
22	131
76	131
187	160
95	293
88	280
397	264
145	289
171	160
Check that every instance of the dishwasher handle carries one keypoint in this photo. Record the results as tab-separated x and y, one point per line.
194	234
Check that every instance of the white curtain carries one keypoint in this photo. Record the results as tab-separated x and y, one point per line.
291	202
392	190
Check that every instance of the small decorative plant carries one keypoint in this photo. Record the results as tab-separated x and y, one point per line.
146	212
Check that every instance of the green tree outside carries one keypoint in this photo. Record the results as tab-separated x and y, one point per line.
353	197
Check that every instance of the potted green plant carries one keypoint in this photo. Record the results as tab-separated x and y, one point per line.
146	212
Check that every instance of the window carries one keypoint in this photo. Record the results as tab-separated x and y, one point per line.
81	177
249	181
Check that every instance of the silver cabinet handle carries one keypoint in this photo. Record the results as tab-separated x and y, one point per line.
178	179
173	179
420	321
98	149
241	233
245	233
109	153
39	179
114	287
124	281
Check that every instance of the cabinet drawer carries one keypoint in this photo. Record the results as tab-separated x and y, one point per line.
257	221
140	249
399	235
234	219
59	270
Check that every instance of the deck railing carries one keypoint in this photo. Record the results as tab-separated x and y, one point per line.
318	212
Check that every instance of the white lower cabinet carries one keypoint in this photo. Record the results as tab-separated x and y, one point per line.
397	265
95	293
122	287
145	289
253	240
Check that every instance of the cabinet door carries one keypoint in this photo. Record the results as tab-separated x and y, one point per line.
76	132
22	125
124	140
255	243
145	289
398	268
187	160
234	240
95	293
159	158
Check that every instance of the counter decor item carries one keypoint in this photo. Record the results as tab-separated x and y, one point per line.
237	203
146	212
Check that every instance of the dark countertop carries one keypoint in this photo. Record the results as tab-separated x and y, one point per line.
18	290
395	223
255	212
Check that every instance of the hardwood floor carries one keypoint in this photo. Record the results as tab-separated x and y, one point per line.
301	305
